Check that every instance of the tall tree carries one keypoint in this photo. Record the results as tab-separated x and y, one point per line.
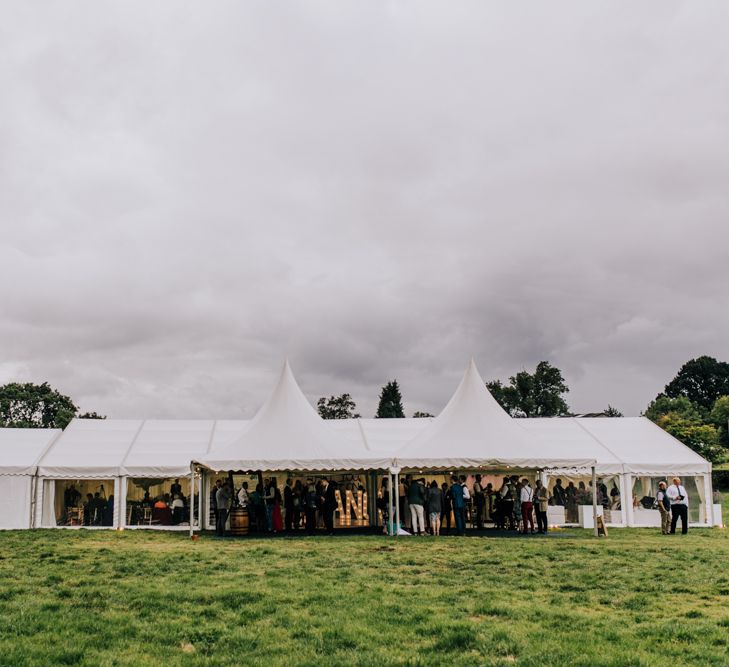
610	411
337	407
390	402
31	405
684	421
538	394
663	405
702	381
719	415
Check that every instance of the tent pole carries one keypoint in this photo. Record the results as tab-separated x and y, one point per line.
594	501
396	491
391	517
34	498
192	499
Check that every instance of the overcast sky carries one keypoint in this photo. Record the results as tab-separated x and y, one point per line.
191	192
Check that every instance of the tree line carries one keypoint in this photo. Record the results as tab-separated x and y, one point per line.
28	405
693	407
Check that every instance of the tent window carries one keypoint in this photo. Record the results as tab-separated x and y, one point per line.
644	492
578	491
78	502
159	502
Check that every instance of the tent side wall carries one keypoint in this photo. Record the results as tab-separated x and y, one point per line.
15	501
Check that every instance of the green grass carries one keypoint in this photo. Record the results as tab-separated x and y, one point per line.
141	598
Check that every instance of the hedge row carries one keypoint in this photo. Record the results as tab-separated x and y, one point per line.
720	479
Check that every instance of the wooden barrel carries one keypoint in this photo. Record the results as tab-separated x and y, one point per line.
238	521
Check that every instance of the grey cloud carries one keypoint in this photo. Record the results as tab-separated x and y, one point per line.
190	193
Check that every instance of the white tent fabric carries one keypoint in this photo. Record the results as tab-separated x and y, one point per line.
226	431
90	449
16	492
644	447
383	436
626	444
473	431
165	447
287	434
20	449
571	438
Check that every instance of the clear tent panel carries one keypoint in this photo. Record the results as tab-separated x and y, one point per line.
160	501
352	494
78	502
645	510
577	490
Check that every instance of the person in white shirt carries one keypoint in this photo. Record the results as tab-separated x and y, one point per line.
527	506
178	510
243	498
679	505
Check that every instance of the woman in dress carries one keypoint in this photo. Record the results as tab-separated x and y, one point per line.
277	518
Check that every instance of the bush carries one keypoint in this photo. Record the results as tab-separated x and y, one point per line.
720	480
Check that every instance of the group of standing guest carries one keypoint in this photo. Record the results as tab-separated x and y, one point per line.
672	502
302	505
427	508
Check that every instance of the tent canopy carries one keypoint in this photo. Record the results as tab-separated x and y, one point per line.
20	448
473	431
569	438
644	447
90	449
288	434
164	447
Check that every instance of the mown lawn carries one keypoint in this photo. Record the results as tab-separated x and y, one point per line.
140	598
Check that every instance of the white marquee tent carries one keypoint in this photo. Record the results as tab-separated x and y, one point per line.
287	434
20	451
472	432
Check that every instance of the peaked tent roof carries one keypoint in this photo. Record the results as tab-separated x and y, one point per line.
287	434
20	448
474	431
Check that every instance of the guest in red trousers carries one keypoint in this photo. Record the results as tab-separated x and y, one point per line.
527	506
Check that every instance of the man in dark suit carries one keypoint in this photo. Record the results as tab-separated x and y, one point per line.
330	505
288	506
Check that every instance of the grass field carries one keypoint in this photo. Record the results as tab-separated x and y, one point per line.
142	598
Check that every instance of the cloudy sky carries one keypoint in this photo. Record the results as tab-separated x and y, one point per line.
191	192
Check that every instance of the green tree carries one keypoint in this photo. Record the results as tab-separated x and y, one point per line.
702	380
337	407
664	405
702	438
91	415
390	402
719	415
538	394
684	420
610	411
420	415
31	405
